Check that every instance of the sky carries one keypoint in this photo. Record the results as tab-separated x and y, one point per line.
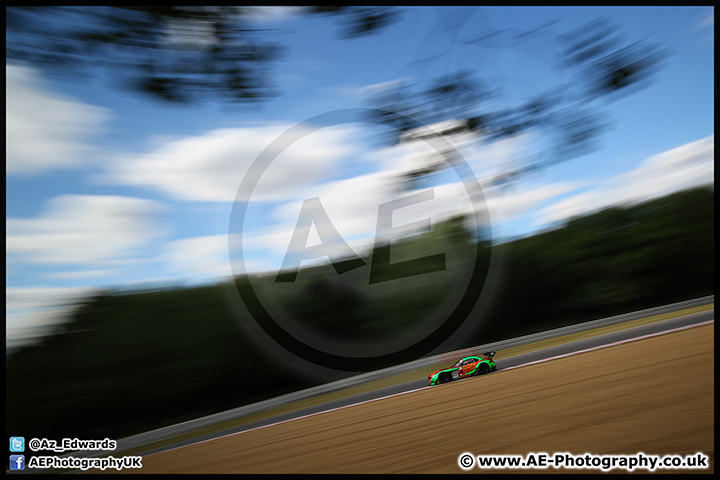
110	190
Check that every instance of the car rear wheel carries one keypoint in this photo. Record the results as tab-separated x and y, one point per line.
482	369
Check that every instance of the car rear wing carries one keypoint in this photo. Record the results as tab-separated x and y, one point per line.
489	355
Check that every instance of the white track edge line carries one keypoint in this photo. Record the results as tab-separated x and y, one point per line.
643	337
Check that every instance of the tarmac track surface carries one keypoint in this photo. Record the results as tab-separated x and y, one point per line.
654	396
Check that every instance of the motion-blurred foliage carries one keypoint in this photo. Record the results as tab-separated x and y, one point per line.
188	54
131	362
175	54
597	67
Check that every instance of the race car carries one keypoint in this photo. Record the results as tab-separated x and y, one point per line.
465	367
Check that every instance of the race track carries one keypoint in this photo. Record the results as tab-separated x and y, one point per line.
653	395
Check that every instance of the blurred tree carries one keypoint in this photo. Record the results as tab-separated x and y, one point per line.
462	108
189	54
127	362
358	21
176	54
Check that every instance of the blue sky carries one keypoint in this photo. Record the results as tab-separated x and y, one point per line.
106	189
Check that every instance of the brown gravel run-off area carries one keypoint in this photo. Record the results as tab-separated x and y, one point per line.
654	396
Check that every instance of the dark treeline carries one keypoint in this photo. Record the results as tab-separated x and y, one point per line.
130	362
615	261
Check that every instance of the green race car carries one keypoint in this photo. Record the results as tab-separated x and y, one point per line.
466	367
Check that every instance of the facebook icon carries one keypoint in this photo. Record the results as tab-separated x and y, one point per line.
17	462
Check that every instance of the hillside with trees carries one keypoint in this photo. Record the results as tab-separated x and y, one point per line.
131	362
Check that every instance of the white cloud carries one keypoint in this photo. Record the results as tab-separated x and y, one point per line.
273	13
26	298
687	166
352	203
705	25
84	229
45	130
486	158
505	207
352	207
29	310
210	167
198	258
83	274
378	88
